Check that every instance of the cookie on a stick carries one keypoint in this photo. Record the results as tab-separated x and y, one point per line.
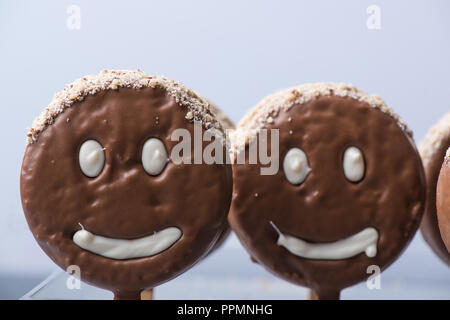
443	200
100	189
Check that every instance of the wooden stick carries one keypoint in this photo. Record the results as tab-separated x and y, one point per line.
324	294
147	294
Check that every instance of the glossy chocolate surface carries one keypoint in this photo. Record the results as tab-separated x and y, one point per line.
123	202
327	207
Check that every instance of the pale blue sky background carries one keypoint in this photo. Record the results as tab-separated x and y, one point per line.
235	52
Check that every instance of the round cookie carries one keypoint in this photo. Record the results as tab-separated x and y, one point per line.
349	192
432	150
100	189
227	124
443	200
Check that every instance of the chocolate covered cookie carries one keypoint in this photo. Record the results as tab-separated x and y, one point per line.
432	150
443	200
229	126
349	193
101	190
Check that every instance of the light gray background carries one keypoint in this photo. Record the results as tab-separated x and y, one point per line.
235	52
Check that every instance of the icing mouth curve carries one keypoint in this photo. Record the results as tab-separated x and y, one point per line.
363	241
122	249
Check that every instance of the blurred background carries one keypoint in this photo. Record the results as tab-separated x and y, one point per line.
234	52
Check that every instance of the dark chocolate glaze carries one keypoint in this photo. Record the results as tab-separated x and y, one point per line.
443	203
326	207
123	201
429	226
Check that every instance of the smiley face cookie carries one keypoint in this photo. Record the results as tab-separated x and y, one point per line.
100	189
443	200
349	192
432	150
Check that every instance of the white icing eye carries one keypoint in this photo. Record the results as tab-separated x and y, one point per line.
91	158
154	156
295	166
353	164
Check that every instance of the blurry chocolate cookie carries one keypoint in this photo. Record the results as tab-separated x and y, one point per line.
229	126
349	193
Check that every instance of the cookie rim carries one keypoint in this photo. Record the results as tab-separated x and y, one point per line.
433	141
197	107
269	107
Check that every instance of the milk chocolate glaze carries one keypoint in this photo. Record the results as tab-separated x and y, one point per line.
327	207
123	202
429	226
227	124
443	202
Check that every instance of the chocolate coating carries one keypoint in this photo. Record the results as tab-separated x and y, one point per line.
443	202
124	201
429	226
327	207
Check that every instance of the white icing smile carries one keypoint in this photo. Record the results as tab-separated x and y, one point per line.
363	241
127	249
